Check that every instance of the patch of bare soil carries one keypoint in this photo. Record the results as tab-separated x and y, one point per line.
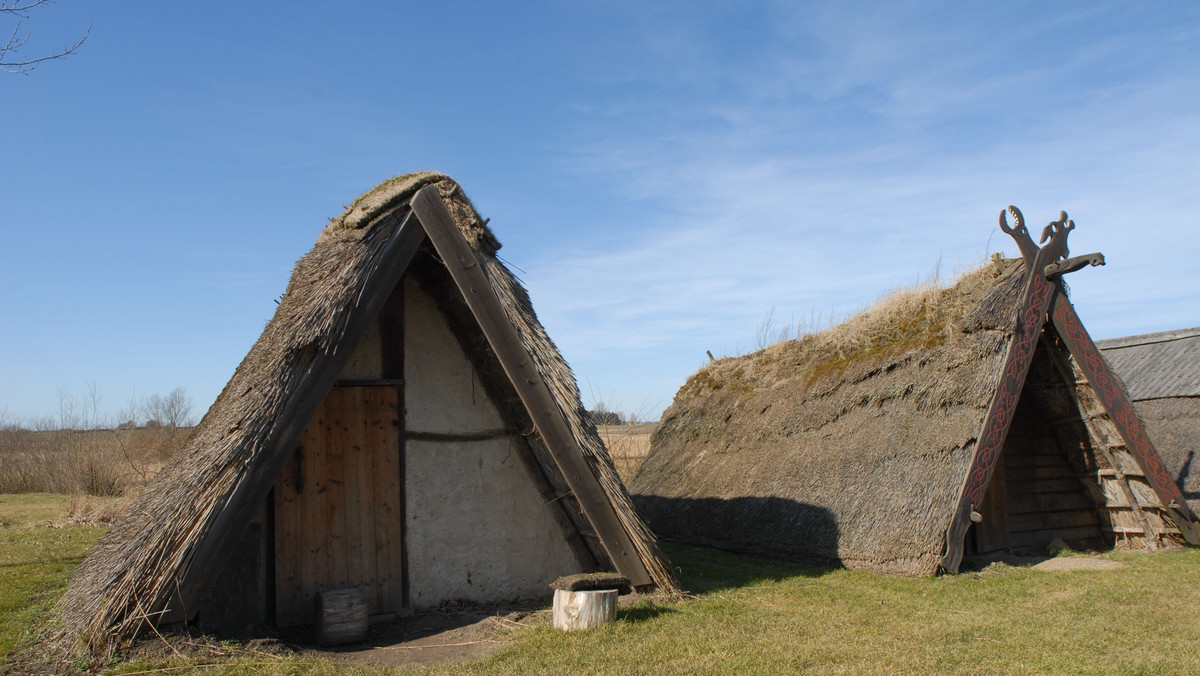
448	634
1078	563
1044	563
465	634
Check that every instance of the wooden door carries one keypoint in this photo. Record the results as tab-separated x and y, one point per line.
338	505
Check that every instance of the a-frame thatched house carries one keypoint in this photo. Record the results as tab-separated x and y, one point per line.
974	419
403	426
1162	374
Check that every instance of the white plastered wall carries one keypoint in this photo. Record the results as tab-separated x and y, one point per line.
478	529
367	361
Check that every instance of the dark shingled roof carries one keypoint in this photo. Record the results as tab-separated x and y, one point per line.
1157	365
1162	374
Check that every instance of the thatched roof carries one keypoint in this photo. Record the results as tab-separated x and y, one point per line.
847	447
149	560
1162	372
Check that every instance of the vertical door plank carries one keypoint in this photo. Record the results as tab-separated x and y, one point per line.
287	527
339	443
315	561
388	502
992	532
361	535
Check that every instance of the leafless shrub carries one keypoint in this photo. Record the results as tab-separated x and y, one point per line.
173	410
79	451
90	510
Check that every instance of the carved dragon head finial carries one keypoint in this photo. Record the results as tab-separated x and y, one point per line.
1019	233
1050	258
1056	234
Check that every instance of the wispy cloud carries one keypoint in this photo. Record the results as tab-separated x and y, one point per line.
859	150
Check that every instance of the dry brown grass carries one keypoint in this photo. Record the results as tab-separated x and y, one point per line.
916	317
628	445
92	510
920	317
84	462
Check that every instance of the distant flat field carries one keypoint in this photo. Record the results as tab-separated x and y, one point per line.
629	445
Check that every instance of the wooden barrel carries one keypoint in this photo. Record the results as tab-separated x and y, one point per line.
341	616
575	610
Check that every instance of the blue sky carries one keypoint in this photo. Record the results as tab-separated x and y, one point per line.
662	175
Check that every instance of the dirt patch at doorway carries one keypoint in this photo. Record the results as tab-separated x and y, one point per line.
1063	563
438	636
1078	561
443	635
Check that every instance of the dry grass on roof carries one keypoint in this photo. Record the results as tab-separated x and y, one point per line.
914	318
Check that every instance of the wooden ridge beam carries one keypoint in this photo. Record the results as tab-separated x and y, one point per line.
1112	396
1030	320
467	271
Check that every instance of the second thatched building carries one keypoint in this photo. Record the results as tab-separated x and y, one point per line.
941	423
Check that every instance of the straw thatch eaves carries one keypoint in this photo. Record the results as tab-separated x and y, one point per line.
877	445
410	250
1162	372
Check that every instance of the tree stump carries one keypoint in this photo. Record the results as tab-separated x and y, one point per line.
575	610
341	616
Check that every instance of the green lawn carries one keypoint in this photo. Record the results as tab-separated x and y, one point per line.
35	561
756	616
761	616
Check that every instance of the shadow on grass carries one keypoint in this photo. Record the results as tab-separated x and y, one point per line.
71	560
39	558
753	527
643	613
703	570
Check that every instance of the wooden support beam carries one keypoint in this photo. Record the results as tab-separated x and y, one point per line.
1111	472
1032	316
467	271
1112	396
1136	531
404	236
370	382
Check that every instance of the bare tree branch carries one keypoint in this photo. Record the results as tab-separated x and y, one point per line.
10	61
20	8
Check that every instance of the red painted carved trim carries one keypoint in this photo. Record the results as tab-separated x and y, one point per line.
1030	321
1114	400
1008	394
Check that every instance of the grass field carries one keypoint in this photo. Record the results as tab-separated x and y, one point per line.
36	560
752	615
